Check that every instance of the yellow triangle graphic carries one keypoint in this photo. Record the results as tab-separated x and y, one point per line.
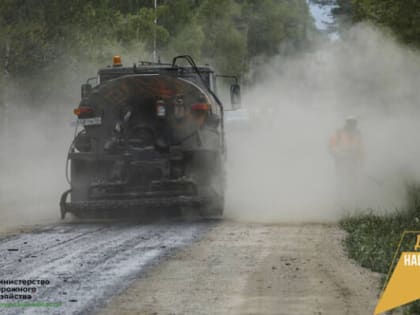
404	284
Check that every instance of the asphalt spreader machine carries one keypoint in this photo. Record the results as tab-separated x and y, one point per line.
147	137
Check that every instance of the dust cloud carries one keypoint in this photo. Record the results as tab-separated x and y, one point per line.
32	167
36	129
279	167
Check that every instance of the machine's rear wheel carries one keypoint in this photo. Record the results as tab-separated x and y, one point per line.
215	208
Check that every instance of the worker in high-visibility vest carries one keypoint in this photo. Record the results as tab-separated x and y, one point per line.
346	147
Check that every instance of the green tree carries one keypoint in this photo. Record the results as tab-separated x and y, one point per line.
402	17
272	22
46	37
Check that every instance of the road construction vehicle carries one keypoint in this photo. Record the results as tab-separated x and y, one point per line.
148	136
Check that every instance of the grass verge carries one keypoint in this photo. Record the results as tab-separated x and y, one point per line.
372	241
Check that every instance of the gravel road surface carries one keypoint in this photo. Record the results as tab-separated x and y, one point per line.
87	263
190	267
242	268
